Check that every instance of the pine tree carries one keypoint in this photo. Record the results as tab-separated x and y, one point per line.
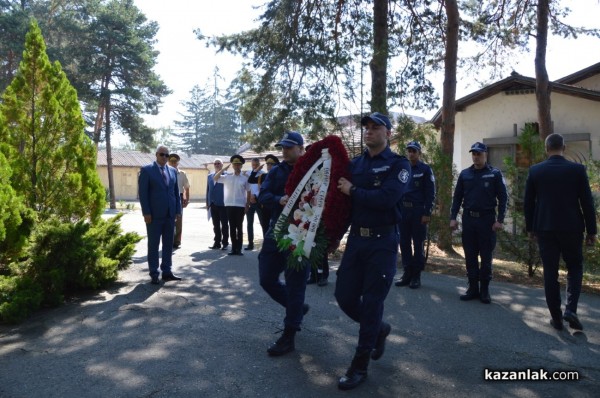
52	160
210	124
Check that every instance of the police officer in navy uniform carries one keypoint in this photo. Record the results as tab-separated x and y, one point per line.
271	261
417	204
480	189
559	207
365	275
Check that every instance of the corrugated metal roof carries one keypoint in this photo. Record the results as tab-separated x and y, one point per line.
122	158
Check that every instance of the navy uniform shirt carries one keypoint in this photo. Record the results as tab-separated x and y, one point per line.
480	190
380	182
421	189
272	189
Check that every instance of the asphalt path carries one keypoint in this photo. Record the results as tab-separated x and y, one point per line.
207	335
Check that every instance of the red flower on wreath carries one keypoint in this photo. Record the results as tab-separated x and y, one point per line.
336	213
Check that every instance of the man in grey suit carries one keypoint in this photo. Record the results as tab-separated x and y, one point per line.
559	207
161	205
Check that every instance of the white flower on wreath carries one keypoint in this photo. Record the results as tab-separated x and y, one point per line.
307	213
296	234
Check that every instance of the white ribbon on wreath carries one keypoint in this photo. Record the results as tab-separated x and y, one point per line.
324	160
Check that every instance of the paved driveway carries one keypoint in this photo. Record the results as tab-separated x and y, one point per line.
207	335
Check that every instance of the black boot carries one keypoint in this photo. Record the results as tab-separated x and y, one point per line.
284	344
415	280
484	295
472	292
357	372
404	279
384	332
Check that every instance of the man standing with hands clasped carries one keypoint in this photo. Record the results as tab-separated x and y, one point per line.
479	190
366	273
417	204
161	206
559	207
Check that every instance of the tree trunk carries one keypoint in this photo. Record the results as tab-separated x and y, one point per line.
542	92
378	64
111	180
448	116
98	124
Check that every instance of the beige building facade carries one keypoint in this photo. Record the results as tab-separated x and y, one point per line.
496	115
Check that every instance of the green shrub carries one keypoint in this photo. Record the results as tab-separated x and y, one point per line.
114	243
19	296
65	258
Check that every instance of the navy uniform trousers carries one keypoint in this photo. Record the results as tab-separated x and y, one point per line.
413	234
364	279
478	240
271	263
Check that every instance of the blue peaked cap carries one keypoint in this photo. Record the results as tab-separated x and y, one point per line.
377	118
478	147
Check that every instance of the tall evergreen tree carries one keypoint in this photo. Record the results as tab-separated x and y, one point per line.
210	124
117	61
14	19
52	160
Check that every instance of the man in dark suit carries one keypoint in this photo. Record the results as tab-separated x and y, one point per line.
559	207
161	205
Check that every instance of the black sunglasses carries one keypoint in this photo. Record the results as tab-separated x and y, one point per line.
164	155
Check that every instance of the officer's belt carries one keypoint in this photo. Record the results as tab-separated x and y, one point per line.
406	203
373	231
480	213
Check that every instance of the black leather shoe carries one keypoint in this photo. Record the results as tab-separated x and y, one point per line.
472	292
224	247
379	349
404	279
176	245
556	324
357	372
305	309
284	344
322	282
155	281
249	247
215	247
170	277
415	281
574	322
235	253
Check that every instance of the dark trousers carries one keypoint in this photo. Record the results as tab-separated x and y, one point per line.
160	228
264	216
179	225
271	263
235	216
363	282
479	241
321	271
552	245
412	234
220	224
252	210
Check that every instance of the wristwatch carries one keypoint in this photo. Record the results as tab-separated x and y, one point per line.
352	189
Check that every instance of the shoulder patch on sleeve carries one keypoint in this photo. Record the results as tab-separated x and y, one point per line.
403	176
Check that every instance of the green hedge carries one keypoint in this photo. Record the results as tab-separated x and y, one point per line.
62	260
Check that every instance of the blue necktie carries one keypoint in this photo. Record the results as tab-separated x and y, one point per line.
164	175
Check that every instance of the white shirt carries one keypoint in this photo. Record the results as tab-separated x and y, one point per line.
254	190
235	189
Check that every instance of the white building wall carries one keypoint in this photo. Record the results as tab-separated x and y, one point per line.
592	83
495	116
